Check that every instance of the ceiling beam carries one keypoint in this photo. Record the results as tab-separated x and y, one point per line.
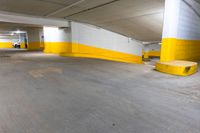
65	8
52	2
34	20
89	9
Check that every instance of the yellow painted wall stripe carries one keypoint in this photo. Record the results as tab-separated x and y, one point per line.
34	46
151	53
89	51
58	47
178	49
31	45
6	45
81	50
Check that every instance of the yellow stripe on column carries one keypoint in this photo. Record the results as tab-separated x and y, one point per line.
168	48
34	46
179	49
57	47
176	53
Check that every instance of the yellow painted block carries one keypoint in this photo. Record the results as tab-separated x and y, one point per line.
177	67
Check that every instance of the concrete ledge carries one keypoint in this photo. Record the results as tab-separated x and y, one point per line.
177	67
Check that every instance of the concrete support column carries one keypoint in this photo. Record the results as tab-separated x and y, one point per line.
35	38
181	37
170	29
181	32
57	40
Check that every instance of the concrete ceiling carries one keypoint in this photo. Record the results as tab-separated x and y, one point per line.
140	19
14	27
8	27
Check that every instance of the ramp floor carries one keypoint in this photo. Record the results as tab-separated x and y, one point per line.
50	94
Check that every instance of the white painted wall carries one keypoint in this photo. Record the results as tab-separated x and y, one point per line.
9	38
180	21
97	37
152	47
189	21
5	40
54	34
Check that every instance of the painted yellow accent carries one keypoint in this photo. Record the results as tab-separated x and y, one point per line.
151	53
177	67
154	53
6	45
146	55
81	50
177	49
34	46
58	47
22	45
41	44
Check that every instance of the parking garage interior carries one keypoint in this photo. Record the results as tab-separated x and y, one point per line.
90	66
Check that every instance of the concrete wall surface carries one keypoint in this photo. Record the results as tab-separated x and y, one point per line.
83	40
34	40
57	41
97	37
6	41
152	47
151	50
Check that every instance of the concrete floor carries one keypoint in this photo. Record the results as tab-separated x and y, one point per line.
50	94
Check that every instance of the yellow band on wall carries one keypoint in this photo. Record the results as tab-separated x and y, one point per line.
151	53
31	45
81	50
57	47
34	46
6	45
178	49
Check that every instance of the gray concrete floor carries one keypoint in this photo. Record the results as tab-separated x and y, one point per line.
50	94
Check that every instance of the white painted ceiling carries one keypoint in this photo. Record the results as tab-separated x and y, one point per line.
140	19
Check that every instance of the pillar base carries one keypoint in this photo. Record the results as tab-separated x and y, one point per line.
177	67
